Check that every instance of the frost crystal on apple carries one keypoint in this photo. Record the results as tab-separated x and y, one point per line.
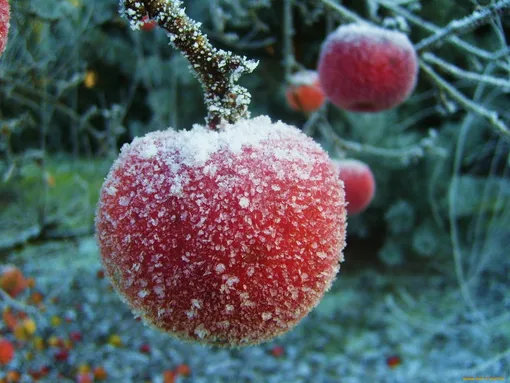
234	234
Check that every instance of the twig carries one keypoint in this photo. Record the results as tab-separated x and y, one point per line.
475	51
405	155
288	32
217	70
344	13
466	24
463	74
491	116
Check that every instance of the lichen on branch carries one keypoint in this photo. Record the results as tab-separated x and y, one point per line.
216	69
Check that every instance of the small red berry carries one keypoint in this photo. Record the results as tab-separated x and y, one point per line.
364	68
145	348
183	369
304	93
393	361
75	336
61	355
6	351
148	24
277	351
359	184
5	16
225	237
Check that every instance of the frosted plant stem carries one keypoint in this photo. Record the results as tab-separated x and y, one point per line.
405	155
492	117
481	367
463	74
343	12
475	51
217	70
288	32
466	24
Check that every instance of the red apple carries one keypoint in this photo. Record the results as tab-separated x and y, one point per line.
304	93
225	237
364	68
359	184
4	24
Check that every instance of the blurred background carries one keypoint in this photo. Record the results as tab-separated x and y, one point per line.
424	292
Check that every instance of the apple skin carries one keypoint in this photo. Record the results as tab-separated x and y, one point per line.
5	16
364	68
359	184
225	237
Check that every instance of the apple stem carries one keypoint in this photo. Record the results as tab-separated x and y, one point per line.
216	69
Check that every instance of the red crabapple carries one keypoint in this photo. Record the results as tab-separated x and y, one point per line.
364	68
304	93
224	237
4	24
359	184
148	24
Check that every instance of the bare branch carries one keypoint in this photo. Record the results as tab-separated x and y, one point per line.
491	116
456	27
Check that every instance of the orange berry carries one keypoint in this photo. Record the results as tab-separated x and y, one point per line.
12	280
183	369
304	93
169	376
13	376
100	373
9	319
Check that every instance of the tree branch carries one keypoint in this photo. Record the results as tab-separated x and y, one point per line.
217	70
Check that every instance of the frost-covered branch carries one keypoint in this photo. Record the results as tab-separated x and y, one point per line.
217	70
466	24
456	41
491	116
467	75
343	12
404	155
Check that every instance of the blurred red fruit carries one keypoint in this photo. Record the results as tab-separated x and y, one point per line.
148	24
277	351
61	355
364	68
75	336
359	184
225	237
145	348
12	280
84	377
183	369
5	15
393	361
304	93
6	351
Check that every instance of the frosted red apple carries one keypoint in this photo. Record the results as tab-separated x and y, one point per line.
359	184
224	237
364	68
4	24
304	93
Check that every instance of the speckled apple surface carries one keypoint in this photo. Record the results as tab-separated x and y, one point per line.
359	184
364	68
224	237
4	24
